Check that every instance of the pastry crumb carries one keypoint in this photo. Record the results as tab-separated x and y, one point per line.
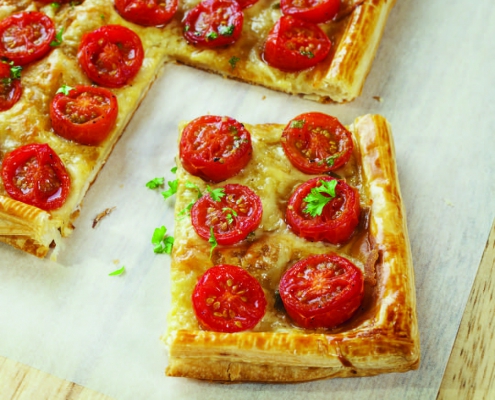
102	215
378	98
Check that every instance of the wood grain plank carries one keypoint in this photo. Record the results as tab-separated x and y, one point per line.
21	382
470	372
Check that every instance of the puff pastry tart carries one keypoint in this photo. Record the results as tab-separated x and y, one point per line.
294	265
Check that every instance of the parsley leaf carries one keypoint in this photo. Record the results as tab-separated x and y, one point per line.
233	61
216	194
15	72
174	170
308	54
212	240
186	210
161	242
58	38
225	30
55	5
297	123
172	189
193	186
319	197
229	214
212	35
117	272
64	89
155	183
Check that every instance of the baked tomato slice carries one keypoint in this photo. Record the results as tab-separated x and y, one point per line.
26	36
147	12
315	11
317	143
228	299
322	291
295	45
215	148
214	23
324	209
10	85
111	55
230	213
35	175
84	114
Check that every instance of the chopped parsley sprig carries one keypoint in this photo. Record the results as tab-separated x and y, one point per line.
162	243
319	197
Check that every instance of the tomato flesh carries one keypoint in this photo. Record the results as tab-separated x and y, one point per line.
339	217
10	88
111	55
322	291
315	11
215	148
147	12
214	23
35	175
26	36
232	218
295	45
228	299
86	115
317	143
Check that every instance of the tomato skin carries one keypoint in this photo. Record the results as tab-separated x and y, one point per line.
26	36
338	219
147	12
35	175
246	3
215	148
311	139
111	55
322	291
228	299
214	23
295	45
240	203
315	11
10	88
86	115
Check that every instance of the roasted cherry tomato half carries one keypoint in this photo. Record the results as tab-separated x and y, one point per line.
339	214
35	175
214	23
10	86
147	12
316	143
232	217
26	36
322	291
228	299
111	55
215	148
295	45
246	3
86	114
315	11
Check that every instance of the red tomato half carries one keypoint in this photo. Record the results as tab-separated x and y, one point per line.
85	115
316	143
10	88
147	12
214	23
228	299
322	291
215	148
26	36
315	11
232	218
35	175
111	55
295	45
338	219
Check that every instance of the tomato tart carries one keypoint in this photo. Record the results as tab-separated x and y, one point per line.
284	273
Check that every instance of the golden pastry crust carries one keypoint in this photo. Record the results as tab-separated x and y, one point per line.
381	337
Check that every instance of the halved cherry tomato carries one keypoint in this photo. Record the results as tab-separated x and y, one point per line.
35	175
85	115
339	216
147	12
228	299
215	148
10	87
111	55
295	45
214	23
322	291
316	143
232	217
26	36
315	11
246	3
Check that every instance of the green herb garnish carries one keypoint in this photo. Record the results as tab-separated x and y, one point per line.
174	170
212	35
226	30
161	242
58	38
298	123
172	189
119	271
233	61
212	240
319	197
155	183
216	194
229	214
65	89
308	54
55	5
193	186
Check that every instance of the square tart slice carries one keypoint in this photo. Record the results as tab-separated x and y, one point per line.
381	336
